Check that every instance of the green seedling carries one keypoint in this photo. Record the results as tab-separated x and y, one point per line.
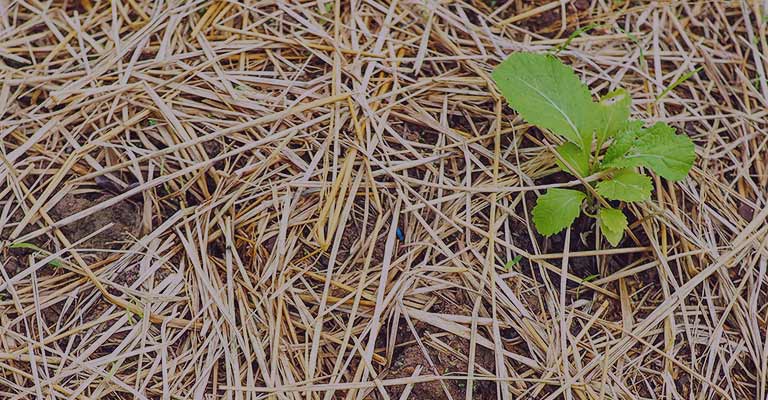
679	80
636	41
574	35
514	261
599	139
30	246
588	278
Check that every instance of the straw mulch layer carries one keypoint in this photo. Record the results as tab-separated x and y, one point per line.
319	200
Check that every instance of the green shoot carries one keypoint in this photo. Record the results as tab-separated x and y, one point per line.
514	261
574	35
31	246
679	81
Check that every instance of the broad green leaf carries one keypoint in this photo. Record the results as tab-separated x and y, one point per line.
548	94
626	185
575	157
612	224
659	149
557	209
623	141
613	113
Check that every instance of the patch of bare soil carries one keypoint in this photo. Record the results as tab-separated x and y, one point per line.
124	216
447	354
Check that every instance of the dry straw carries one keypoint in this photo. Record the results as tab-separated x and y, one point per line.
317	200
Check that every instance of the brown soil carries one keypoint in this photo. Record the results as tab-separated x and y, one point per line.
124	215
410	356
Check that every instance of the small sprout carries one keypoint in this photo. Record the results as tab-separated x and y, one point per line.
511	263
636	41
240	87
548	94
574	35
25	245
588	278
152	122
31	246
679	81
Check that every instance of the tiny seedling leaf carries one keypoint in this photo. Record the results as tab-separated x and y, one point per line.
31	246
556	210
548	94
635	40
661	150
575	157
626	185
612	224
25	245
574	35
678	82
514	261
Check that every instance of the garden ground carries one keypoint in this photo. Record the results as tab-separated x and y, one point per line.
325	200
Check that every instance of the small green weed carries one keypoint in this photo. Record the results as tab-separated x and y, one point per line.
30	246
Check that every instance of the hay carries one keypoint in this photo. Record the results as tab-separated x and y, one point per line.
328	195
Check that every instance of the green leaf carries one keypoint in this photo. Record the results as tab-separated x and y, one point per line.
623	141
679	81
55	263
574	35
25	245
626	185
659	149
548	94
612	224
31	246
575	157
557	209
514	261
613	113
